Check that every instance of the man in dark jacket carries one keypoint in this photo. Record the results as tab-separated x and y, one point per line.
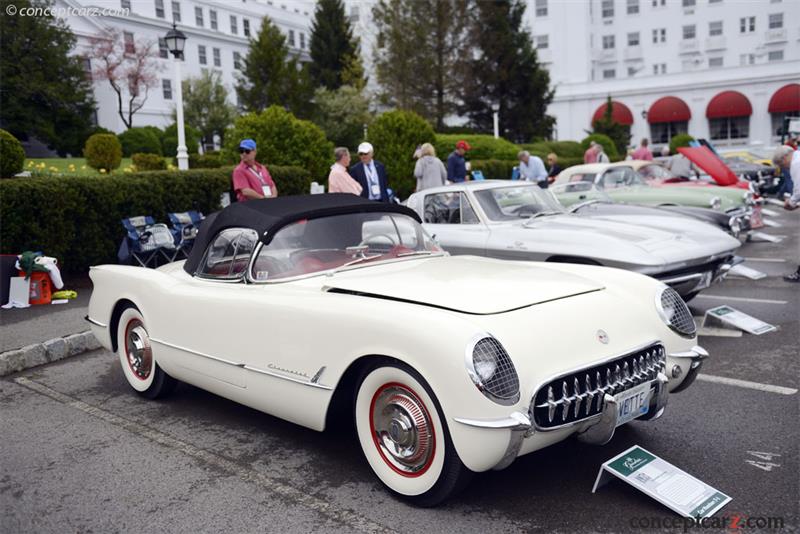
370	174
456	164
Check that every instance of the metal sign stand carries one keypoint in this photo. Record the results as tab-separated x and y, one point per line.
726	317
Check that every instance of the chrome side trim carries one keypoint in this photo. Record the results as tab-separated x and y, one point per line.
679	279
695	352
289	378
196	353
515	421
94	322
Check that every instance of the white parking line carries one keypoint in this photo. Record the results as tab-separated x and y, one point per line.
747	384
740	299
767	260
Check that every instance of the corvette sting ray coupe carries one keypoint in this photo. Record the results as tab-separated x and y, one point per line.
448	365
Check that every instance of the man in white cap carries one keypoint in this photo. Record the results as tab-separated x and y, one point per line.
370	174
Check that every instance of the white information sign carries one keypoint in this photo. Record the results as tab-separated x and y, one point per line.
746	272
677	490
732	317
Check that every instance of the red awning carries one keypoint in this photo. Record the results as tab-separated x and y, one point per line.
729	104
704	158
668	109
619	113
786	99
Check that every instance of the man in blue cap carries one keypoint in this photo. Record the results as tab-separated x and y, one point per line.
250	178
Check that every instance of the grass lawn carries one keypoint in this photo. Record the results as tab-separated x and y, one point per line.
72	166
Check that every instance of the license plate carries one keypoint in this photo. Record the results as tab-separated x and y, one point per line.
632	403
705	281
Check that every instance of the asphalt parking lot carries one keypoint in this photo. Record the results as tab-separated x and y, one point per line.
82	453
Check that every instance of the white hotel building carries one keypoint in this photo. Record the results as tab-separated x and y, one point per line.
724	70
217	34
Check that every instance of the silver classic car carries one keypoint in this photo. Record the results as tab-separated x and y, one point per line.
520	221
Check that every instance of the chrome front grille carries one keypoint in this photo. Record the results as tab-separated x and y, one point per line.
579	395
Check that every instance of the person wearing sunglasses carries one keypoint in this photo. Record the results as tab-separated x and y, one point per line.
370	174
250	178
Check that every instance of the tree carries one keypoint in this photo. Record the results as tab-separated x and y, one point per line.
130	68
342	114
506	73
45	92
428	38
270	77
206	106
334	51
619	134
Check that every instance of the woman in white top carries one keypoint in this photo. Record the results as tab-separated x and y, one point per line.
339	180
429	170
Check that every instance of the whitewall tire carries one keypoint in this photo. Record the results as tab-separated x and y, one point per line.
136	357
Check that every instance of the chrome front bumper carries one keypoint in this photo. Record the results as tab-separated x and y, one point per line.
694	362
691	282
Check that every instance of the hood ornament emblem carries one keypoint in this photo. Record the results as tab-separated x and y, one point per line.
602	337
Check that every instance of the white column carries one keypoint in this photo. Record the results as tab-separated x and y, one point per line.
496	120
183	156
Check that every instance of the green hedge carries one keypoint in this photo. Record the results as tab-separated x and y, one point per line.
679	140
496	169
82	225
569	149
608	145
148	162
482	147
12	155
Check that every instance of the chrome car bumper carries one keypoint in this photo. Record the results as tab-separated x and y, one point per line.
690	282
694	362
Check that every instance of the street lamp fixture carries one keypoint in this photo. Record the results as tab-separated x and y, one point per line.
176	40
644	114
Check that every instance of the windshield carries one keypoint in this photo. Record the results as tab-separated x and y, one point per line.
523	201
655	172
328	243
616	177
572	194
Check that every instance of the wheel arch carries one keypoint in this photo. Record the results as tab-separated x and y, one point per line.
113	324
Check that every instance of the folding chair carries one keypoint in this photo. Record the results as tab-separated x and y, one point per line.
478	176
146	240
515	173
184	229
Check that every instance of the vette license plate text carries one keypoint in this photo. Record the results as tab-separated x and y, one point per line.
632	403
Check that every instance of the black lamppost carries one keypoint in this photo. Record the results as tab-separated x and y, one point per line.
176	40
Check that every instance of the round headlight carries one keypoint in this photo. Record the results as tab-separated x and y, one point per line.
492	370
675	313
715	203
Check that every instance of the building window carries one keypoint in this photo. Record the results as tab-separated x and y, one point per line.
775	55
689	3
714	62
659	68
541	8
86	63
201	55
633	39
354	14
160	9
302	41
609	74
747	59
163	51
125	4
607	8
632	71
291	38
714	1
542	41
176	11
747	24
657	3
608	42
130	47
776	21
166	88
246	27
663	132
217	57
212	19
689	32
659	35
237	61
729	128
633	7
715	28
234	25
198	17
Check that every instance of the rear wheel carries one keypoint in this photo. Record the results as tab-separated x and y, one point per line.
136	357
404	435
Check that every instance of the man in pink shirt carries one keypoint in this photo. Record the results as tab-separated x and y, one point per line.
339	180
643	152
590	156
250	178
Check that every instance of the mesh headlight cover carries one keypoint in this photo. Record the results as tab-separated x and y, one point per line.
493	371
676	313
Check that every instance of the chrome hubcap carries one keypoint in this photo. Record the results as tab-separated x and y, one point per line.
403	430
137	350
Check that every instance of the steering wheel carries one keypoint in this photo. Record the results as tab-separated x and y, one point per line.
370	238
525	209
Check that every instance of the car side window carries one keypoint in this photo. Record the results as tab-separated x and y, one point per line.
228	254
449	208
613	178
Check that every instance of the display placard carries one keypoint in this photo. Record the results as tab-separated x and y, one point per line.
674	488
732	317
746	272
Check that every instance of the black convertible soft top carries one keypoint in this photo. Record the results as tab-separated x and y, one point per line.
267	216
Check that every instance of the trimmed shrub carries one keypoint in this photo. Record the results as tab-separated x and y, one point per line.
169	140
204	161
86	230
395	135
12	155
482	147
608	145
569	149
103	152
282	139
678	141
148	162
141	141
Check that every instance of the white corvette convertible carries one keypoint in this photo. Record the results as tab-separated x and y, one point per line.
450	365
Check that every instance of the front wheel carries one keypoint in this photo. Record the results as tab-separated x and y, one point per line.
136	357
404	435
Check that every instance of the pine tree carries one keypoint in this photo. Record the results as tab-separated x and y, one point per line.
334	51
270	76
206	107
506	74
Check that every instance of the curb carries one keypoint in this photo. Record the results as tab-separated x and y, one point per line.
14	361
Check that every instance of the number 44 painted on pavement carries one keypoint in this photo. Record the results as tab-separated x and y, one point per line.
766	464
